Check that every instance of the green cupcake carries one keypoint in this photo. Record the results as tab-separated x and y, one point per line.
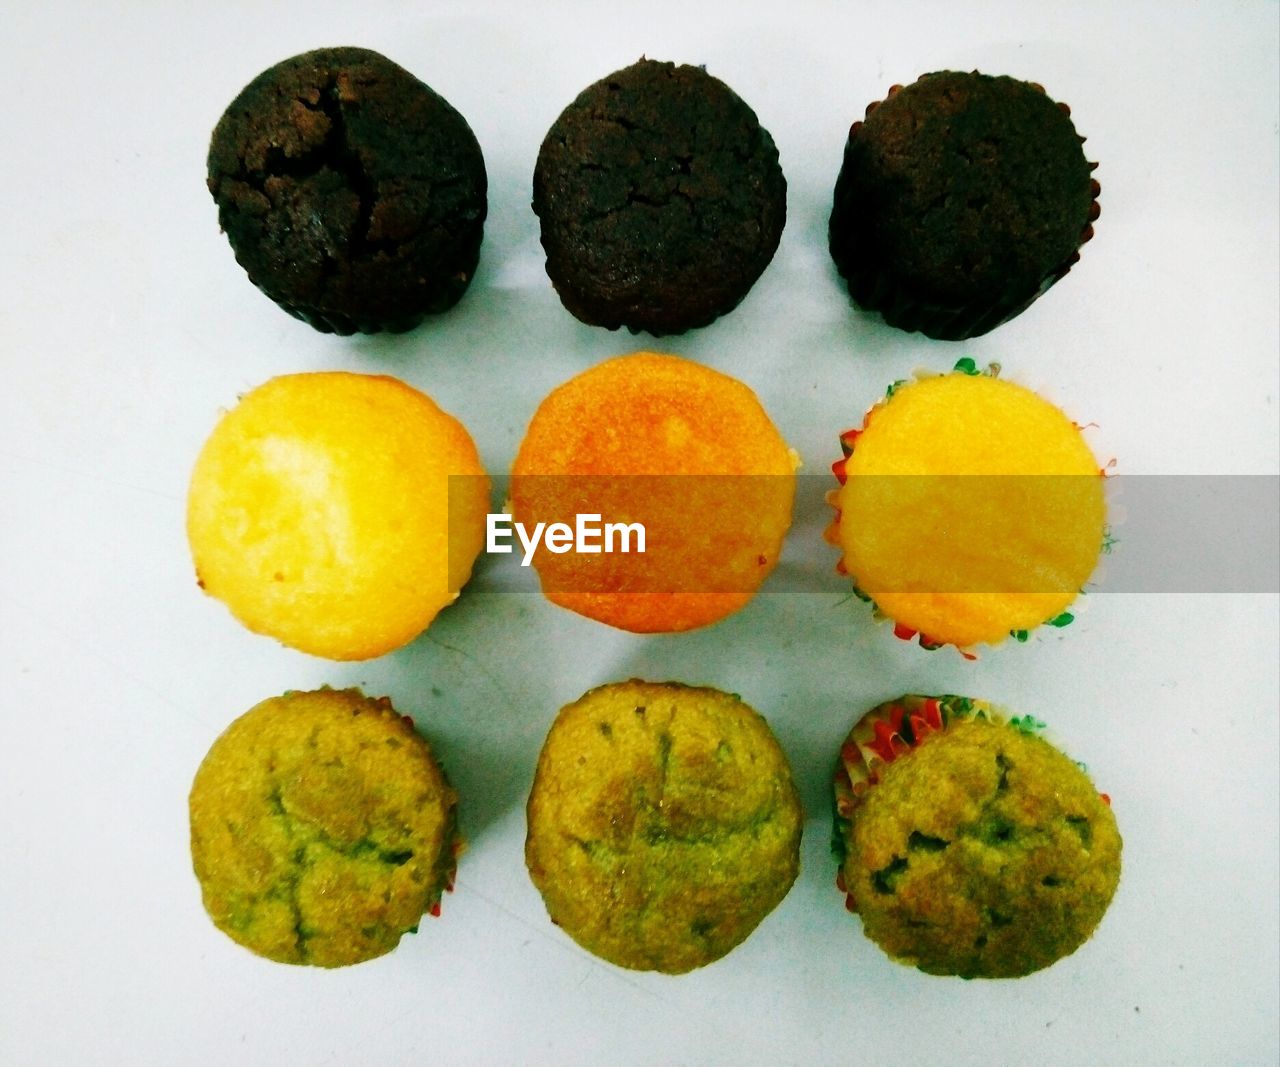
663	824
968	844
322	828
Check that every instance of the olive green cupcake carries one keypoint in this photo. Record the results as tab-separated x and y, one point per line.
663	824
968	844
322	828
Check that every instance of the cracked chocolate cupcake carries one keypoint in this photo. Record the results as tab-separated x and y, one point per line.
661	200
322	828
663	824
352	194
967	843
961	199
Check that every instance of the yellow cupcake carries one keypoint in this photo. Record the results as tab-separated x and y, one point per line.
322	513
970	508
683	450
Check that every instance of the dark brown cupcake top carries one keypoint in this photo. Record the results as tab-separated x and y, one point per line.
353	194
962	188
661	199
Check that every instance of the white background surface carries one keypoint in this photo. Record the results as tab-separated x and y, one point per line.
125	326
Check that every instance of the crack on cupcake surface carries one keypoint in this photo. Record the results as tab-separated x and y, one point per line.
301	862
335	153
884	881
922	842
1082	828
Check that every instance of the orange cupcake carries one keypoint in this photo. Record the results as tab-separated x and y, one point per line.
684	451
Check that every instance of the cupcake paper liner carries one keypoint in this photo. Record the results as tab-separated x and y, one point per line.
446	869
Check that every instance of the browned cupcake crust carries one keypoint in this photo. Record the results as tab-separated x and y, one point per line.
352	194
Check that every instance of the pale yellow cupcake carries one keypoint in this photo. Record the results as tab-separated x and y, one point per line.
337	512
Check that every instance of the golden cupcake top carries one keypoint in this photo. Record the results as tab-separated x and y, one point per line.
969	509
683	450
322	512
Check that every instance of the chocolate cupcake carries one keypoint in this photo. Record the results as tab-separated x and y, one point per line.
660	197
962	198
352	194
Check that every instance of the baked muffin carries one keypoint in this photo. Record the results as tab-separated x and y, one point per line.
961	199
663	824
660	197
337	513
352	194
968	844
322	829
970	509
683	450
